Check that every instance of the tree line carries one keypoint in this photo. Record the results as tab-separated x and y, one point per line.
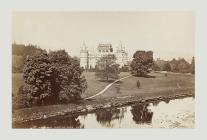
55	77
19	54
175	65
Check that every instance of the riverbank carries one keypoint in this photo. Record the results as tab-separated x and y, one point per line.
45	112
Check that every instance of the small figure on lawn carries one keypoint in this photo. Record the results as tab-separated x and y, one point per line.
138	84
165	74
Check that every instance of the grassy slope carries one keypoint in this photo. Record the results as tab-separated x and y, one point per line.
128	86
94	85
152	86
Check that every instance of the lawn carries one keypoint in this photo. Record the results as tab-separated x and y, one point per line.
95	85
17	81
149	86
160	85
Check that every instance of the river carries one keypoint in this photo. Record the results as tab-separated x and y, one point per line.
177	113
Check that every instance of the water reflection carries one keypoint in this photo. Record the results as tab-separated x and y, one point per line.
105	116
141	114
178	113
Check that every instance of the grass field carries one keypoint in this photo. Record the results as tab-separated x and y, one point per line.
152	86
149	86
17	81
95	85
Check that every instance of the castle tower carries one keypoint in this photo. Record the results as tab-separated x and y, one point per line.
84	57
121	55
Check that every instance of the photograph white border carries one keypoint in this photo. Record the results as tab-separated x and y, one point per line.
197	6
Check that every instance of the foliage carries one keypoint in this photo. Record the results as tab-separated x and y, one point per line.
107	68
124	68
41	83
167	67
25	50
142	63
50	79
72	84
156	67
180	65
192	66
20	53
183	66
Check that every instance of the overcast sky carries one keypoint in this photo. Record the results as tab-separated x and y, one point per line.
168	34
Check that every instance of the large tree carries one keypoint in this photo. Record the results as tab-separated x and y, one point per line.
107	68
72	83
142	63
41	81
51	79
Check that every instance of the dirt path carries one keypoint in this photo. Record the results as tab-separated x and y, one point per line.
109	85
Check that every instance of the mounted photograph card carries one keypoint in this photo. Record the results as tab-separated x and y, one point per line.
103	69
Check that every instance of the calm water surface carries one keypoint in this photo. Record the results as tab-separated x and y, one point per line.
178	113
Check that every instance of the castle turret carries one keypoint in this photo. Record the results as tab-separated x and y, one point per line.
122	56
84	57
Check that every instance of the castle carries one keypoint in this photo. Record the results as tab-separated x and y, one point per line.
88	58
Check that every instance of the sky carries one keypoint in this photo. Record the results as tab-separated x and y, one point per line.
168	34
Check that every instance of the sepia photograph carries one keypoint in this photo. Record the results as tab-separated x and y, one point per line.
103	69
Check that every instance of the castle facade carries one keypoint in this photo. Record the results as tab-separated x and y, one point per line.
88	58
